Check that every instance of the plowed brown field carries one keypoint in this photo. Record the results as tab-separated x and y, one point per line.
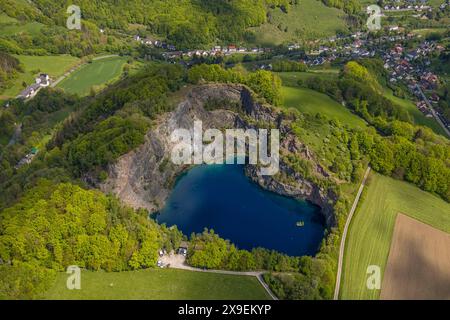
419	262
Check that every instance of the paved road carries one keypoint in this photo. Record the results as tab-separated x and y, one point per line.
432	110
344	234
178	261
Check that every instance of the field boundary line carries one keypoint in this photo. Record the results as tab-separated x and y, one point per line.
344	235
257	274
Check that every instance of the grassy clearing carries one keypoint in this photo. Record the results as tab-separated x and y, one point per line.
5	19
310	101
318	133
97	73
418	117
159	284
426	31
291	79
371	230
310	19
54	66
11	29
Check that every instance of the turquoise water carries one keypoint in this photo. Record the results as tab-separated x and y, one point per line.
222	198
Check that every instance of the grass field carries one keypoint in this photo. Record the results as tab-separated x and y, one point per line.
54	66
4	19
310	19
32	28
159	284
310	101
371	230
97	73
419	118
291	79
426	31
11	26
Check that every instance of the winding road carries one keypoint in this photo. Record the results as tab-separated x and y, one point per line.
344	234
433	112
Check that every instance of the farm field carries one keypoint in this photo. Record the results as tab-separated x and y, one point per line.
370	233
307	20
159	284
419	262
97	73
310	101
54	66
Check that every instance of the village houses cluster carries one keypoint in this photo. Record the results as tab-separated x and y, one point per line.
411	5
43	80
173	53
403	67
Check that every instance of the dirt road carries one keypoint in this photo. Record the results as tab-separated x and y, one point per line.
178	261
344	234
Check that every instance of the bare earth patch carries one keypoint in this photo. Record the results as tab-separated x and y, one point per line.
418	266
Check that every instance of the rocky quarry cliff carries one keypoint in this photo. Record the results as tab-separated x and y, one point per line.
144	177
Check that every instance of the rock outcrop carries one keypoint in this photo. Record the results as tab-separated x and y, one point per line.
144	177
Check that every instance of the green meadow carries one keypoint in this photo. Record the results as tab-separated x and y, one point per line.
54	66
11	29
307	20
159	284
291	79
5	20
10	26
370	232
312	102
97	73
418	117
309	100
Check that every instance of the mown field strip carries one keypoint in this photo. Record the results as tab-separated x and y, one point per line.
370	232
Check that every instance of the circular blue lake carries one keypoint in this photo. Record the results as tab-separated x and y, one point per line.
223	198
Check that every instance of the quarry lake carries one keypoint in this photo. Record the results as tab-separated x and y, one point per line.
223	198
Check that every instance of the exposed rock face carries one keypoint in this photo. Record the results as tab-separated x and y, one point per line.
302	189
144	177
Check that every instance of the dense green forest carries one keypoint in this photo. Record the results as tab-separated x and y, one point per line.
264	83
54	226
35	33
184	23
9	67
